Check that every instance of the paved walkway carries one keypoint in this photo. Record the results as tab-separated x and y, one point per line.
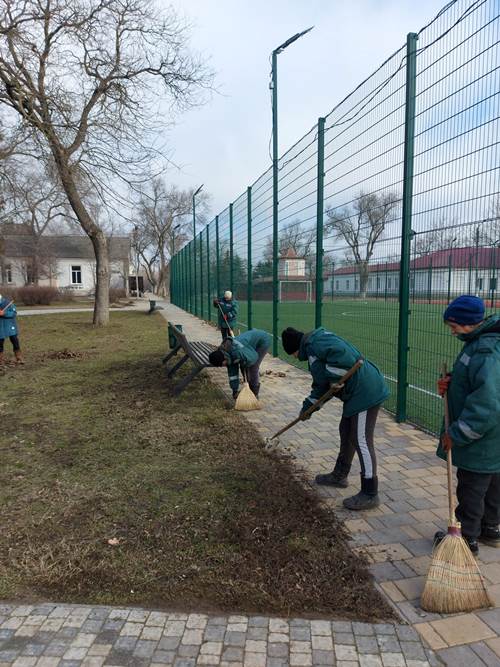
396	537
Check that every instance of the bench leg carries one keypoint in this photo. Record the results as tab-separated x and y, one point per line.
171	354
175	368
183	384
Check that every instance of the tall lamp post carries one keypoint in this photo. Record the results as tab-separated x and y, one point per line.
194	249
274	87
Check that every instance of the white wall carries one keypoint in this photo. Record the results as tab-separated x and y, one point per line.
62	275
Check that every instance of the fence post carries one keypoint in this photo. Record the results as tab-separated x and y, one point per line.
217	255
449	277
184	279
406	231
202	304
320	200
209	287
188	275
231	249
429	282
249	258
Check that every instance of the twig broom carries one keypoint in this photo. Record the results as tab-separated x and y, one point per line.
246	399
454	582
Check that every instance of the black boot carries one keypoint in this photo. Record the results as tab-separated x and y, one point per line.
338	476
490	535
471	541
367	498
256	390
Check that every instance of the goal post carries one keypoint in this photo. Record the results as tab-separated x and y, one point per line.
295	290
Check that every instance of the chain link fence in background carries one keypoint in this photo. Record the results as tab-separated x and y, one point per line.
389	207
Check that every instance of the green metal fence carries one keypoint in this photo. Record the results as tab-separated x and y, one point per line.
388	208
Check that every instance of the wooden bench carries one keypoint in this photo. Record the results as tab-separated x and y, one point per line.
197	351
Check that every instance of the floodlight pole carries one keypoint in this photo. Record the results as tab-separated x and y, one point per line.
274	87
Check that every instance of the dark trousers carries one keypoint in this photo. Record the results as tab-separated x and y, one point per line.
356	435
225	333
478	501
15	343
253	371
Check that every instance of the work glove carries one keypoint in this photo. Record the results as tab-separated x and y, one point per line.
304	417
216	302
443	384
446	442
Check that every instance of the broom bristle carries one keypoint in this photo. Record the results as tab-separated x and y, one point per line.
246	400
454	582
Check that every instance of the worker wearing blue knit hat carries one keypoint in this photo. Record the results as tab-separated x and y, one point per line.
473	393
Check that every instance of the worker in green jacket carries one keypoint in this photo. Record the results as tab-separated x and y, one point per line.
330	357
244	352
473	394
227	309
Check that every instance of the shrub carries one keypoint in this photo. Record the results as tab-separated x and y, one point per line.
116	293
36	295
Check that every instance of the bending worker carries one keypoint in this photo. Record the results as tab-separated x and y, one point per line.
330	357
245	351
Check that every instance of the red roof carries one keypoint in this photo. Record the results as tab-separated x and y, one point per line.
457	258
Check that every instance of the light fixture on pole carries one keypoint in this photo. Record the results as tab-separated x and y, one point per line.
194	248
274	87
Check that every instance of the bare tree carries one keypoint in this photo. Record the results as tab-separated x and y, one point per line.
163	225
361	225
36	200
85	75
440	238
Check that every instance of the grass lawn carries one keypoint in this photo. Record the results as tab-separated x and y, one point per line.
114	492
372	326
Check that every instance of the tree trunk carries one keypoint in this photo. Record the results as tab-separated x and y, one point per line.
101	304
94	232
363	279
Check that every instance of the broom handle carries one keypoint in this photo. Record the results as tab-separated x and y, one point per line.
224	317
333	389
449	470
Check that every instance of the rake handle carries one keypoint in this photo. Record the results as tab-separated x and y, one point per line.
315	406
449	470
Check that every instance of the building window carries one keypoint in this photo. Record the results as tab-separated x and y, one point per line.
479	283
493	284
8	273
378	282
76	275
389	281
347	284
337	286
355	284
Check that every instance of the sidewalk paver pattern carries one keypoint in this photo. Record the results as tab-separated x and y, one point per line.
396	538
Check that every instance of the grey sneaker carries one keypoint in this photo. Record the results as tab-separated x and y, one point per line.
361	501
333	479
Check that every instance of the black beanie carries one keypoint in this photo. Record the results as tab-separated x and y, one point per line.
291	338
216	358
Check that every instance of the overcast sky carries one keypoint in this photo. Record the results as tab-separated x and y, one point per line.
225	144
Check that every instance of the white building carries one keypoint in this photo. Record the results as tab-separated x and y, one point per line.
443	273
64	262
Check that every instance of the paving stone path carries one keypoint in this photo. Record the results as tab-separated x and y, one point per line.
396	537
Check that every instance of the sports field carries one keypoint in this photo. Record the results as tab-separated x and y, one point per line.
372	325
